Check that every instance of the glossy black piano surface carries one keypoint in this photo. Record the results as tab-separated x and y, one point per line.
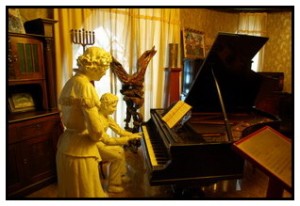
199	151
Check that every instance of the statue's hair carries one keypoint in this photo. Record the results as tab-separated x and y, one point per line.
96	55
108	98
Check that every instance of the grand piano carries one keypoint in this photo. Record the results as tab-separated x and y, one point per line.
222	96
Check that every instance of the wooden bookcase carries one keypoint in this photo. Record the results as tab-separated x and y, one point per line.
32	115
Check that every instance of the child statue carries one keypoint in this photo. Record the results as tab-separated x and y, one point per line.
110	148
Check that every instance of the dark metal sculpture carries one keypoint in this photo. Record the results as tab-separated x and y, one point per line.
132	88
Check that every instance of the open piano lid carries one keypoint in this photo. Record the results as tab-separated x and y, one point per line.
230	58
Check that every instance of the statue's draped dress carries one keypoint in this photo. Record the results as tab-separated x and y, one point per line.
77	154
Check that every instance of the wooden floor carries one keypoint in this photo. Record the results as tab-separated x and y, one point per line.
252	186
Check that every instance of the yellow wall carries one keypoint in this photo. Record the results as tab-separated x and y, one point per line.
277	50
210	22
34	13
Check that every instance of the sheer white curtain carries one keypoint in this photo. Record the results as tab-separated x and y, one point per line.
127	33
254	24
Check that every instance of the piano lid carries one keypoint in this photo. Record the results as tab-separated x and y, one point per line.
230	58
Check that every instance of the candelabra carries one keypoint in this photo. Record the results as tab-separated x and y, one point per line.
83	37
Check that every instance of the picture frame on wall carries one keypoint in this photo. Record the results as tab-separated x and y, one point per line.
193	44
21	102
15	22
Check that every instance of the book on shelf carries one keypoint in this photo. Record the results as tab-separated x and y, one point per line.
176	113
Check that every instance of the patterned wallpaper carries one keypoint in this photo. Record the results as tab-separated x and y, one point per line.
210	22
33	13
277	50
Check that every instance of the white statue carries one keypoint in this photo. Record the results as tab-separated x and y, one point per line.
110	148
77	152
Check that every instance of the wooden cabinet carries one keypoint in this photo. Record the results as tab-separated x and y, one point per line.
33	118
25	57
190	70
31	154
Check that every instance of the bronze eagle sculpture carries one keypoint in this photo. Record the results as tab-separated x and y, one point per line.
132	87
136	78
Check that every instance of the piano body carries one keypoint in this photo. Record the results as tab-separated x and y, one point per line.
222	98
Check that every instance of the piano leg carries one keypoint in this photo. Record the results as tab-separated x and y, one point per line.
275	189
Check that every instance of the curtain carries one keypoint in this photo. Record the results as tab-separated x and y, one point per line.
126	34
67	19
254	24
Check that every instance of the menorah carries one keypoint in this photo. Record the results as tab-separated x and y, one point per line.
83	37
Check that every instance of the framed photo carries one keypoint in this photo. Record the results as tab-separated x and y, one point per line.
193	43
21	102
15	23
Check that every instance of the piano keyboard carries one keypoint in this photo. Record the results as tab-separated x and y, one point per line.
149	147
155	148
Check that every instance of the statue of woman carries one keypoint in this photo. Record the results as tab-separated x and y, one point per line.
77	155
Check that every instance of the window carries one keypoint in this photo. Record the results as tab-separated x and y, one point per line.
126	34
254	24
